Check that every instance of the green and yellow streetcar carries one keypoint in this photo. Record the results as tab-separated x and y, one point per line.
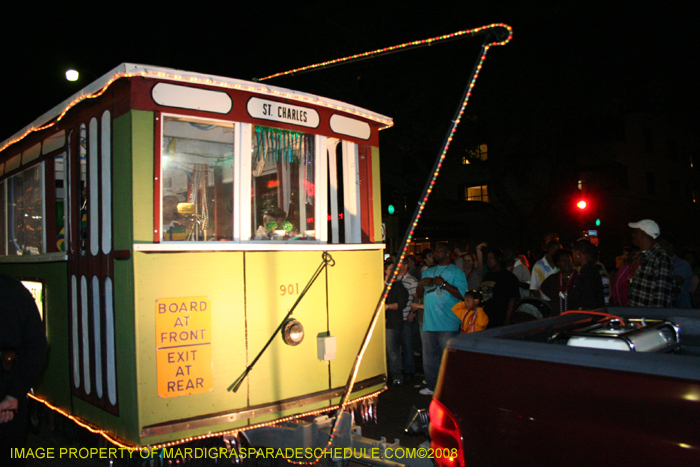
167	222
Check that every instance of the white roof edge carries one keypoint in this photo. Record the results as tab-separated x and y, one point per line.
149	71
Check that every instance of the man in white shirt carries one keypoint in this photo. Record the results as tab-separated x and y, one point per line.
543	269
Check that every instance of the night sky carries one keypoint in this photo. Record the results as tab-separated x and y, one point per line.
566	59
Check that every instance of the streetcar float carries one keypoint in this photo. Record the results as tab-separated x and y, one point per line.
166	222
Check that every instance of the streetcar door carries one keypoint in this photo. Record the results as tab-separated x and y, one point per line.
90	262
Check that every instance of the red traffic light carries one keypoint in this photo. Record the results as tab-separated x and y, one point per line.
581	204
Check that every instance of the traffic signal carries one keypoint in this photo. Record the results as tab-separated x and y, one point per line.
391	209
581	204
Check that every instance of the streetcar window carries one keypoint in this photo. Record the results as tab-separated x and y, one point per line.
336	192
344	225
283	185
25	212
59	177
197	179
83	188
93	188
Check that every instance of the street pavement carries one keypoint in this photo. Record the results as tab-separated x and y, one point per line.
393	410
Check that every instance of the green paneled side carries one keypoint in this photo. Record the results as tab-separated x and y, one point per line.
54	385
376	196
249	294
217	276
274	282
122	143
142	146
355	285
132	133
132	164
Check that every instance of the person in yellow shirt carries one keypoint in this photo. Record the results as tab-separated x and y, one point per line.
473	317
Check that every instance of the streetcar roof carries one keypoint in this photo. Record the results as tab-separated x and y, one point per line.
126	70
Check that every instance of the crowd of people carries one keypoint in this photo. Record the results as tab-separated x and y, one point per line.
450	290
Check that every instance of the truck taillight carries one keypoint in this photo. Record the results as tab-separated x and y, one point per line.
445	437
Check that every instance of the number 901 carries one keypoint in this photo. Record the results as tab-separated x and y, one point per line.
289	289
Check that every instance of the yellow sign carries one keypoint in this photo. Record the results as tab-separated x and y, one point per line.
183	346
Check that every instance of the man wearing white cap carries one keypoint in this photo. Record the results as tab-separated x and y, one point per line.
651	273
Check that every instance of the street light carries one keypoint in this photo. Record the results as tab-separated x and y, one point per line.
72	75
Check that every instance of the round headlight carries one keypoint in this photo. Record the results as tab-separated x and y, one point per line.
293	332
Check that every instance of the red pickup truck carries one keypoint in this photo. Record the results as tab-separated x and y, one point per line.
620	386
